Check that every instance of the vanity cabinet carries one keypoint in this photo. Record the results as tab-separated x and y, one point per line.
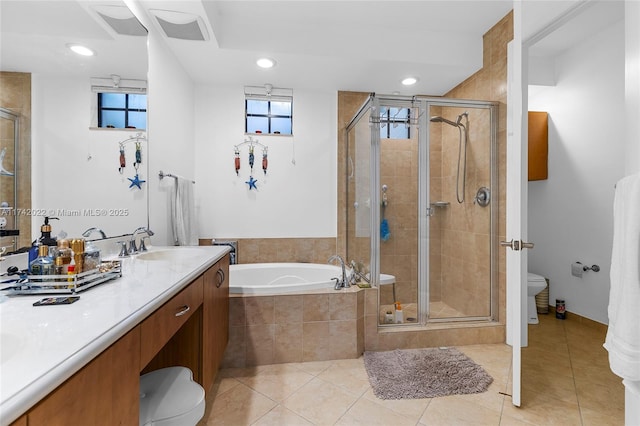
191	330
104	392
215	320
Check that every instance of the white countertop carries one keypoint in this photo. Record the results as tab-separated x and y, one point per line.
41	347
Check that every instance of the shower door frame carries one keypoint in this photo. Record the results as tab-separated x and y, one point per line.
423	103
424	213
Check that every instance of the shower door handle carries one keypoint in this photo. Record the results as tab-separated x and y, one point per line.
516	245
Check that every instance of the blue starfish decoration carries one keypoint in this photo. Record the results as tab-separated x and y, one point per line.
136	181
252	183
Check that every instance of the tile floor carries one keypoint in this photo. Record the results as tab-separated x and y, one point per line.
565	380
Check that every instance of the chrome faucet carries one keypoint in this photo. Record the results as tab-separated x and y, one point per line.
356	273
133	249
344	282
91	230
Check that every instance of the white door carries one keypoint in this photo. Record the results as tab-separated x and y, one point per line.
516	229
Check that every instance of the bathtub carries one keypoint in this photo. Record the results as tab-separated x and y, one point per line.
282	278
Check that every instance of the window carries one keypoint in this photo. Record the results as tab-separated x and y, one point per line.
271	117
394	123
122	110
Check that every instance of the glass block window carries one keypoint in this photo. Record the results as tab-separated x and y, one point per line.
269	116
122	110
394	123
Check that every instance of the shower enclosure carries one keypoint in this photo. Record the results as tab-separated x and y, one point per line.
420	176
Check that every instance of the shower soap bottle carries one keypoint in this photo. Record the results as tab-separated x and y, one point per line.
399	314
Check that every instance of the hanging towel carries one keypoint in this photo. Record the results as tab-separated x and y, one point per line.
623	334
183	213
385	233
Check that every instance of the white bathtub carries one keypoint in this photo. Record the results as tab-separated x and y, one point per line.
280	278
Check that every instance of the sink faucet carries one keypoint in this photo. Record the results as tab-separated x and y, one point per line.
344	282
98	230
132	244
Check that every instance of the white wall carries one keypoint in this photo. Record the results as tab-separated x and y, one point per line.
570	214
171	132
292	200
632	85
65	182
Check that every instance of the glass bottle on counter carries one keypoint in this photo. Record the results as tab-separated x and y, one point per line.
43	264
62	258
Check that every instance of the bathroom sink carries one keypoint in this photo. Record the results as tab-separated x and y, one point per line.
169	254
11	345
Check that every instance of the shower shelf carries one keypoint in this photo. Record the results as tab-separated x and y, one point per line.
440	204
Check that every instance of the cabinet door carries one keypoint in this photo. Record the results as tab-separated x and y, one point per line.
215	319
160	326
104	392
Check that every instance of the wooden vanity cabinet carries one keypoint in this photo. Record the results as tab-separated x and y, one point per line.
215	330
104	392
191	329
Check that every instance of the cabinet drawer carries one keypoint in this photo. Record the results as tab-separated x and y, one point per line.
158	328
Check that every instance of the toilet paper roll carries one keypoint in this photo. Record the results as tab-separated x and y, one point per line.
577	269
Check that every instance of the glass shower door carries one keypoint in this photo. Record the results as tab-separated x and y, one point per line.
460	243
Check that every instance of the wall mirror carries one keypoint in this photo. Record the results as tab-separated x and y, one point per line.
76	171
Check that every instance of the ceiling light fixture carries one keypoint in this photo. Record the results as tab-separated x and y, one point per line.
409	81
266	63
81	50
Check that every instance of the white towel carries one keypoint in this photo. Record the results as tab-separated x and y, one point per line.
183	213
623	335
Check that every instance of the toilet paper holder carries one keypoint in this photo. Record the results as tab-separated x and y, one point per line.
594	268
577	268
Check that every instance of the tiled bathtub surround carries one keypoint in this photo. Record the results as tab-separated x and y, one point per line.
295	328
262	250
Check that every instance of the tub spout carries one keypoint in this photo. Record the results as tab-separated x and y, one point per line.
343	282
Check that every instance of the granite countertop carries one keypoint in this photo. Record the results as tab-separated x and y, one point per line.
41	347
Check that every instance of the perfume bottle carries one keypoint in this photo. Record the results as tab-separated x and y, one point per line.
43	264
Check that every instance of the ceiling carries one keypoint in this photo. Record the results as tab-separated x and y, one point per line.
358	45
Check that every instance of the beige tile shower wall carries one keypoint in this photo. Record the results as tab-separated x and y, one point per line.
466	226
15	95
399	254
438	214
295	328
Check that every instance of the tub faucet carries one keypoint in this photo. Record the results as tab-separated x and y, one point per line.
91	230
344	282
356	272
132	244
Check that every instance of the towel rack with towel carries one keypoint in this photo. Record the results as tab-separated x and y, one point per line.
163	175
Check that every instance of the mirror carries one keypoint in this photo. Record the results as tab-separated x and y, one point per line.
75	167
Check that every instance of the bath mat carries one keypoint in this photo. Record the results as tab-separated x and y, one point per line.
424	373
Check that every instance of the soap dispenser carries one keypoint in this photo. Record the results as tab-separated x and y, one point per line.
45	239
45	231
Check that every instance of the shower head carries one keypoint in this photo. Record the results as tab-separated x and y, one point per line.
438	119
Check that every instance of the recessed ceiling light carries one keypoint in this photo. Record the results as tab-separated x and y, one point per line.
266	63
81	50
409	81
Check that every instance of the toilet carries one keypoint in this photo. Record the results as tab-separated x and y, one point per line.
535	284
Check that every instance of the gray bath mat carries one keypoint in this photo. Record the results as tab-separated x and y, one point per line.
424	373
